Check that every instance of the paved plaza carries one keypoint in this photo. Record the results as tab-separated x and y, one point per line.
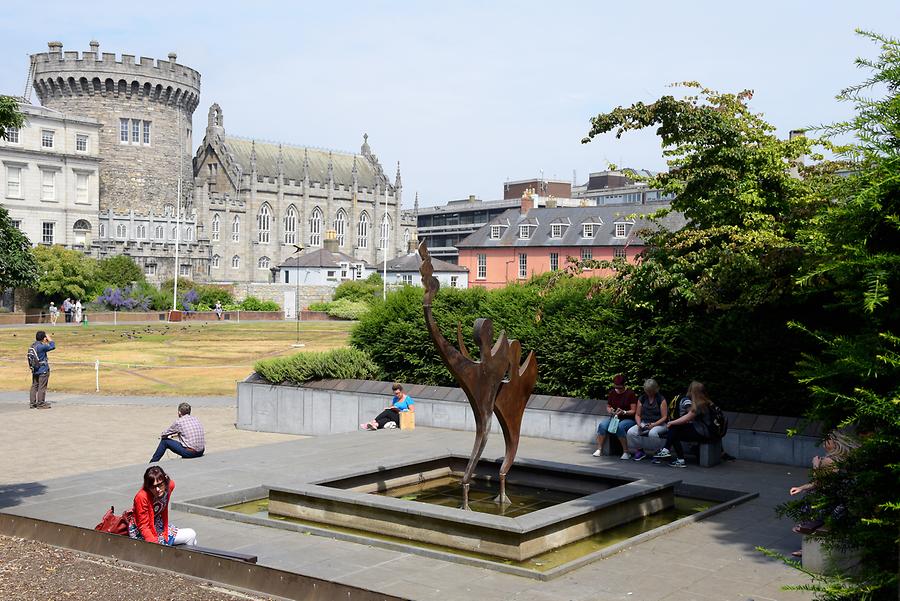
712	560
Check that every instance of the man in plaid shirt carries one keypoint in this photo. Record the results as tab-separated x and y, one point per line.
189	429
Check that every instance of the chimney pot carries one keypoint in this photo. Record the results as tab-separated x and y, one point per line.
95	46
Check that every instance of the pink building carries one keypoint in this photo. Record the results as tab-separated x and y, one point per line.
522	243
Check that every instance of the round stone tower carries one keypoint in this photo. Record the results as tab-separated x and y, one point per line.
144	108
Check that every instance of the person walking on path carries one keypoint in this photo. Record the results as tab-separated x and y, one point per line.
54	313
40	370
77	309
67	307
189	429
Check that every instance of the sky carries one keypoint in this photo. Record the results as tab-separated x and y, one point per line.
468	95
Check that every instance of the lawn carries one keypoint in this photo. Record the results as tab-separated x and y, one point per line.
161	359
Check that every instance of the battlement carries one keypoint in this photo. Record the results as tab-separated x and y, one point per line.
91	72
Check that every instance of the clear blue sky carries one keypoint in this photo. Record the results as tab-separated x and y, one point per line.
469	94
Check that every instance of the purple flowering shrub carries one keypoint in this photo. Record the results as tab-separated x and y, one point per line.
123	299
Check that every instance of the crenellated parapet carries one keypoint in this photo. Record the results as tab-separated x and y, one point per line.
58	74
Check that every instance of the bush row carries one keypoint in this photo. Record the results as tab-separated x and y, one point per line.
343	363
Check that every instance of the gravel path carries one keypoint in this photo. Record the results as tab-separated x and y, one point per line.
31	571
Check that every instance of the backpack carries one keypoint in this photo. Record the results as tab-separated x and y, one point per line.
33	361
716	421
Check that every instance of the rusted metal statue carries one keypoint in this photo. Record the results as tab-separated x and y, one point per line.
495	384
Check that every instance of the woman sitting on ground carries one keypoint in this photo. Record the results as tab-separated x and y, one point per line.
390	417
688	427
651	416
150	521
621	402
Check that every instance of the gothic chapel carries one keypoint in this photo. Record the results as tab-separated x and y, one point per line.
257	201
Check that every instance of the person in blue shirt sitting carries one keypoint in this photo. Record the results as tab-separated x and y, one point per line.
40	370
390	417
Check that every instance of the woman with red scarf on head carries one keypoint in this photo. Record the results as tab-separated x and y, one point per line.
150	521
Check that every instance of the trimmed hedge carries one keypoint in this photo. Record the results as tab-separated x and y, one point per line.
344	363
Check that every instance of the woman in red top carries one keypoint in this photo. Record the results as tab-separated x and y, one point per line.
151	512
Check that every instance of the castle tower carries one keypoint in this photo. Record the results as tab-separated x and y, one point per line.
144	108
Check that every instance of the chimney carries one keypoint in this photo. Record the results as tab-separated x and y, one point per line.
55	47
471	198
330	243
95	47
551	202
527	202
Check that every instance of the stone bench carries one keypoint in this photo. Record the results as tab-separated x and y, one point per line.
246	558
708	454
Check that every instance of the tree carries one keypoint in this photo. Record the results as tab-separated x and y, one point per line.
63	272
10	115
17	265
119	271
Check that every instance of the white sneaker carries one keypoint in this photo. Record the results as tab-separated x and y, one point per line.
390	426
663	453
625	455
598	453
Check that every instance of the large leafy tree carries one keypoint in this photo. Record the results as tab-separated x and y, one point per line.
63	272
17	265
120	271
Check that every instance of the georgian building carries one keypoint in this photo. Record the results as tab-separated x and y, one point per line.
50	177
257	202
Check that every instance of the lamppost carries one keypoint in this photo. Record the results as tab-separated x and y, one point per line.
297	250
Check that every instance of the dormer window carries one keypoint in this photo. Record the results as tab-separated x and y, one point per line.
556	230
524	232
587	230
496	232
621	229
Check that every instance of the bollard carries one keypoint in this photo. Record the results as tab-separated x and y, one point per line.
115	318
97	374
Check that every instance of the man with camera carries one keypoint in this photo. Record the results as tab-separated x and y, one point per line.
40	370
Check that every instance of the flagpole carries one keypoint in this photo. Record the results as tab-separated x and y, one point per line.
178	214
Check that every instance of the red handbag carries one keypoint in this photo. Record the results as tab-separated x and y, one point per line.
114	524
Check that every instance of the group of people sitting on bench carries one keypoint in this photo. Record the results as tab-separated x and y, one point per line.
651	424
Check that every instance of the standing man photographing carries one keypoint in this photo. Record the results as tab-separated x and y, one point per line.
40	370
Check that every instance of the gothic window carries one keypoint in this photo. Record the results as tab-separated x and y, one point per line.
215	261
121	230
189	233
263	263
160	233
141	232
103	230
290	226
175	233
169	210
315	227
236	229
362	231
262	224
340	226
215	228
385	231
235	262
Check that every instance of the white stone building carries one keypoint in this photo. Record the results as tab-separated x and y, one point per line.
50	177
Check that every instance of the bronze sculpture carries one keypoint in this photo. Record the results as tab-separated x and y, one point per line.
495	384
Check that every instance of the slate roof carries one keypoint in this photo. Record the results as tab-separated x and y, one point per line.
604	235
320	258
267	162
412	262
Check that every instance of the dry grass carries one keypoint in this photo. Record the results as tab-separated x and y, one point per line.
161	359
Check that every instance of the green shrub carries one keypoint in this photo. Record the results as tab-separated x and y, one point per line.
347	309
209	295
303	367
251	303
323	306
367	291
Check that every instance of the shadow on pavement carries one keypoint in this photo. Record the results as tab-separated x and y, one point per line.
12	494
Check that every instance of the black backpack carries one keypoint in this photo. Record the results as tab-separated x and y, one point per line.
33	361
716	421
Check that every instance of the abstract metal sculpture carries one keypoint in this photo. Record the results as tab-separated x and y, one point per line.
494	384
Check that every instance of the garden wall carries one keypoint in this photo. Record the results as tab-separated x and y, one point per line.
275	292
337	406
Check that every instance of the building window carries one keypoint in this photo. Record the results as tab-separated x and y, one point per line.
160	233
340	226
287	276
362	231
496	231
524	232
262	263
81	187
150	269
81	142
235	262
385	232
141	232
290	226
121	231
262	224
331	275
175	233
47	229
556	230
406	279
587	230
236	229
184	270
48	184
135	131
102	231
359	269
123	131
315	227
481	274
620	230
620	253
146	132
587	254
12	135
17	223
14	182
554	261
215	228
189	233
454	281
523	266
46	138
215	261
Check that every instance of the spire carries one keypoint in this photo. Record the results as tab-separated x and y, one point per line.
397	183
280	161
365	150
253	156
416	207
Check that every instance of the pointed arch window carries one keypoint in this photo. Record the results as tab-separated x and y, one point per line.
215	228
215	261
263	263
290	226
385	232
340	226
236	229
235	262
263	222
315	228
362	231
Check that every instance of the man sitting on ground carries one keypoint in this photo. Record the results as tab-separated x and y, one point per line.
189	429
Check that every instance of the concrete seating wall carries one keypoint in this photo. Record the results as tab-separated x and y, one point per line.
337	406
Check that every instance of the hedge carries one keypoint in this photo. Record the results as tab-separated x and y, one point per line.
343	363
